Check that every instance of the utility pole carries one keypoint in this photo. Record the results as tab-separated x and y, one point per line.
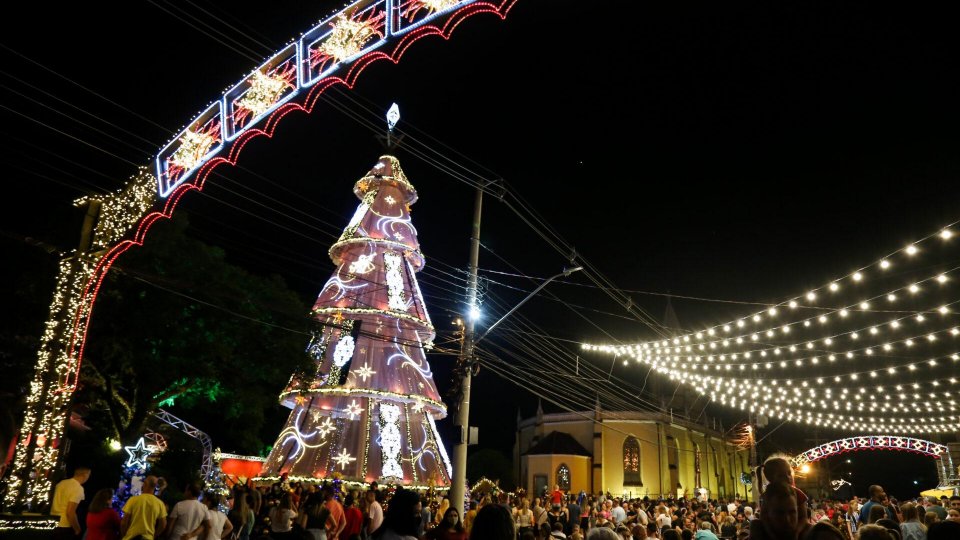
465	367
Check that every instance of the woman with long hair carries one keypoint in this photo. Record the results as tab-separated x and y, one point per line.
315	516
220	526
441	511
911	528
281	518
103	522
449	527
523	517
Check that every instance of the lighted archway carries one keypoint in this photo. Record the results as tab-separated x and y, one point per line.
881	442
336	51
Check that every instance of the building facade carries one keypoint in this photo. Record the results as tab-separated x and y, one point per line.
633	454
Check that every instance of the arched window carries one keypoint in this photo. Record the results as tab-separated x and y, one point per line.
631	462
563	477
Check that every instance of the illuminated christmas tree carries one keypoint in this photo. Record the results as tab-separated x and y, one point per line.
369	412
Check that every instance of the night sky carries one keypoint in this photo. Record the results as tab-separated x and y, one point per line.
736	152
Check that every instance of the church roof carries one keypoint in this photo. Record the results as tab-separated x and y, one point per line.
558	443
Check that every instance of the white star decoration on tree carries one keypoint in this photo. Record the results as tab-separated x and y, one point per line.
316	414
398	236
138	454
418	406
344	458
364	373
353	409
390	200
326	427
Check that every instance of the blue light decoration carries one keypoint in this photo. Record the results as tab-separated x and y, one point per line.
134	471
334	51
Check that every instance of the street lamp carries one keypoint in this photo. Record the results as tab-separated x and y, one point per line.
459	477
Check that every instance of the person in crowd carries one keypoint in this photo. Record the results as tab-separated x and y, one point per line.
523	517
187	518
573	514
602	533
944	530
103	522
777	468
872	531
338	520
618	513
936	508
877	498
144	515
472	515
911	528
953	515
164	494
354	519
671	534
402	517
929	519
728	530
449	528
441	510
314	516
779	516
664	520
493	522
557	515
67	496
705	532
374	511
839	522
281	518
823	530
219	526
575	532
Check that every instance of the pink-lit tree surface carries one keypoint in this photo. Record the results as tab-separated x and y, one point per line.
369	411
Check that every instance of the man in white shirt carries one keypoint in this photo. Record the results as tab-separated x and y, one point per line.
619	514
375	511
66	498
188	518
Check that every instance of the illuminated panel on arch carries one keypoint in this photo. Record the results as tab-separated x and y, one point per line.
268	87
359	28
191	148
411	14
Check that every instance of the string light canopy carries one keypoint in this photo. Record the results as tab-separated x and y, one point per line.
873	350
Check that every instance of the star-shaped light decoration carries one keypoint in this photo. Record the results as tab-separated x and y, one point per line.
398	236
390	200
343	459
364	373
264	91
353	409
193	146
326	427
300	399
418	406
347	38
316	414
338	317
138	454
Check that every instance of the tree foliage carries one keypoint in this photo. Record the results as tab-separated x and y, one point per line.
176	324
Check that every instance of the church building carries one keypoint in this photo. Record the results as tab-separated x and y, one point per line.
632	454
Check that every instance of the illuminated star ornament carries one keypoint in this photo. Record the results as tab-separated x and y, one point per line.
390	200
343	459
364	373
326	427
138	454
353	409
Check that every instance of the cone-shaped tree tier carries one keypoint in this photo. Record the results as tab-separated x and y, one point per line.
369	411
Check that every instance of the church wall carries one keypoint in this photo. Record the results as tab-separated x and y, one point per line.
614	434
580	470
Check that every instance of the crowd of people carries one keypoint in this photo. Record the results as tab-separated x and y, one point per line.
335	511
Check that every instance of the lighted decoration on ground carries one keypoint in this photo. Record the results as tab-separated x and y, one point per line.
386	407
210	139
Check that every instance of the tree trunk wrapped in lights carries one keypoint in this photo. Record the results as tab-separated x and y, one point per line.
369	412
